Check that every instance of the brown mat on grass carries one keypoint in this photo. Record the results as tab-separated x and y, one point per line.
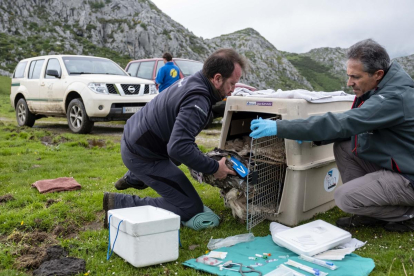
56	185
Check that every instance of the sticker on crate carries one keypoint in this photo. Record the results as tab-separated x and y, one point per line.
331	180
260	103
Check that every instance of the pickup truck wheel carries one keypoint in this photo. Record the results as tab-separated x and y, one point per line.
78	120
23	115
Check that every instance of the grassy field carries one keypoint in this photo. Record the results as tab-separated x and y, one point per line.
30	220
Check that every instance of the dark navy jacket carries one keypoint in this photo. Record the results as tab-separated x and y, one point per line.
167	126
167	75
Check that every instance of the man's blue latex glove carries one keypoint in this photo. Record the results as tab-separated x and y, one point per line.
261	128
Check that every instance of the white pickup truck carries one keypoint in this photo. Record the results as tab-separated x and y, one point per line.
83	89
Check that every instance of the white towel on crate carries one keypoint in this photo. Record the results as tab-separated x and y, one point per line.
313	97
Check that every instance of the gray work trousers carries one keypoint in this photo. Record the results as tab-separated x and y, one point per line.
177	194
370	190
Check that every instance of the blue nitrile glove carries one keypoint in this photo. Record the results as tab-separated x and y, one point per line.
262	128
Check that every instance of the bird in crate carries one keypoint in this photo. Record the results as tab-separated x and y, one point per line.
263	194
233	188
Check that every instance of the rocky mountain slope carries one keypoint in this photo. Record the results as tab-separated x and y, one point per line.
136	29
124	30
325	68
407	63
269	68
333	58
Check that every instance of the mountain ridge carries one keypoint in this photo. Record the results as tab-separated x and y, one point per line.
125	30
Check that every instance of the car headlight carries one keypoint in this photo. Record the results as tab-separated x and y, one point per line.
152	89
98	87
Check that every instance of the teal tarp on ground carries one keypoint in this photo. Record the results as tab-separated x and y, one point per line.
351	265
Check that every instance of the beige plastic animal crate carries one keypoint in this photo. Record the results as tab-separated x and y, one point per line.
292	182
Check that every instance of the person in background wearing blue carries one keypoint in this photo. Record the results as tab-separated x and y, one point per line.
168	74
374	141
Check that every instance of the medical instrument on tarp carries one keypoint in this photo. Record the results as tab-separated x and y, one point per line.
217	254
229	241
323	263
242	269
284	270
271	260
208	261
261	256
311	270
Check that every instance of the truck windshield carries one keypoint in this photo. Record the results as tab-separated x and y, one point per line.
89	65
188	67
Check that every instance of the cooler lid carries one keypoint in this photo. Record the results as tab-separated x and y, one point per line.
143	220
312	238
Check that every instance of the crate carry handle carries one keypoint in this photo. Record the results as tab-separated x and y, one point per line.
108	255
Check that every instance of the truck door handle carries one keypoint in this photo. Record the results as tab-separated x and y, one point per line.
42	84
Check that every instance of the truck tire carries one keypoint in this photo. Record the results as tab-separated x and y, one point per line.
78	120
23	115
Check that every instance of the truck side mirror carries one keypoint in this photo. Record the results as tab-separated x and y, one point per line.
52	72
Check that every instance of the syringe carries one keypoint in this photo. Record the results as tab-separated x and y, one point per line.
306	268
323	263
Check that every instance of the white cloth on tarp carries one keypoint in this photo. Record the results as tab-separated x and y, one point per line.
334	254
354	243
276	227
337	253
310	96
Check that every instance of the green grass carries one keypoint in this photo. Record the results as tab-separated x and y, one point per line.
6	110
24	159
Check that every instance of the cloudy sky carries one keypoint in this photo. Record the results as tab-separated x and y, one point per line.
300	25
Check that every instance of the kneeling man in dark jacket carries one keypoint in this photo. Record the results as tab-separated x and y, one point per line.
162	135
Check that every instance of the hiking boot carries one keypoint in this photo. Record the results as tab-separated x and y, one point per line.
356	221
108	204
400	226
122	184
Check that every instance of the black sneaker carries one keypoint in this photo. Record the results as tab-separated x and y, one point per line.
400	226
122	184
108	204
356	221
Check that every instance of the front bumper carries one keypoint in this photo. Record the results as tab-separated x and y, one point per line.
119	112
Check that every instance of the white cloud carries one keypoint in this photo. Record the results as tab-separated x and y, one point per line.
301	25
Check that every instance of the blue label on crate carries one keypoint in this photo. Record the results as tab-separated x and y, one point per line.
264	103
239	167
331	180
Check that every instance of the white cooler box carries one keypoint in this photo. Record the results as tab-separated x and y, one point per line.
147	236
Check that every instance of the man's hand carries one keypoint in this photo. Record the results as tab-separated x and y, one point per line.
223	170
262	128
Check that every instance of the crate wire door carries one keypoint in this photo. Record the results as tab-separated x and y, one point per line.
267	169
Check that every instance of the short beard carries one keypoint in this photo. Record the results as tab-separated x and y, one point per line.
221	92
